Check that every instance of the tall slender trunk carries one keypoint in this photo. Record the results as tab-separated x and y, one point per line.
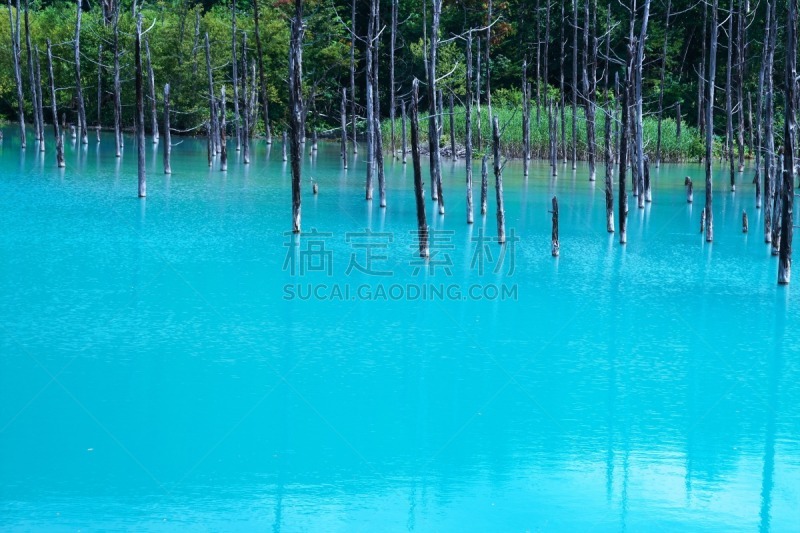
247	98
453	152
561	74
790	137
661	84
484	182
99	89
710	77
575	84
589	80
404	147
78	85
152	86
741	38
760	108
392	87
39	99
140	156
623	153
262	82
343	120
701	79
433	108
769	136
167	135
478	90
498	182
376	116
296	108
468	126
728	96
419	194
215	145
644	194
15	54
54	106
32	79
526	126
353	73
488	61
237	128
370	107
223	130
118	142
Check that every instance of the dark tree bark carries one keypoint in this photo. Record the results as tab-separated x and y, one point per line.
261	77
167	135
745	225
15	54
433	121
609	172
152	87
555	246
563	97
498	182
687	182
740	62
701	80
419	194
343	120
623	153
209	144
247	98
760	108
637	91
56	129
140	155
370	56
661	85
488	59
484	182
712	68
376	115
285	145
790	133
468	126
296	108
589	80
237	127
478	89
38	127
78	85
99	89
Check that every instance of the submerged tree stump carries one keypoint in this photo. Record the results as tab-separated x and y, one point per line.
744	221
554	235
687	182
285	134
167	136
484	182
703	220
498	182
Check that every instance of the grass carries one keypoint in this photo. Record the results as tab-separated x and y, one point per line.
688	147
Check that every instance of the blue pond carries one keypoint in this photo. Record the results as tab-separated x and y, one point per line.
181	362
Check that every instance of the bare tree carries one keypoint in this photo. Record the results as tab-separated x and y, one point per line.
261	77
78	85
140	156
712	68
296	108
790	133
15	54
419	194
53	104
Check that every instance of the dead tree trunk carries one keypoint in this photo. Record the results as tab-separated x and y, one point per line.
223	126
343	121
118	142
741	39
261	77
769	136
526	120
590	85
760	109
678	120
237	128
15	54
392	87
728	98
701	80
247	99
637	91
488	59
39	100
609	172
211	101
661	85
712	68
296	108
285	145
574	84
478	89
563	97
484	182
687	182
53	104
453	152
467	126
745	225
370	107
790	133
623	153
419	194
140	156
152	85
554	234
404	147
78	85
38	127
99	89
167	136
210	144
376	115
498	182
352	73
433	121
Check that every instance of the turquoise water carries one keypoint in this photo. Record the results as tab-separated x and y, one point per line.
161	366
